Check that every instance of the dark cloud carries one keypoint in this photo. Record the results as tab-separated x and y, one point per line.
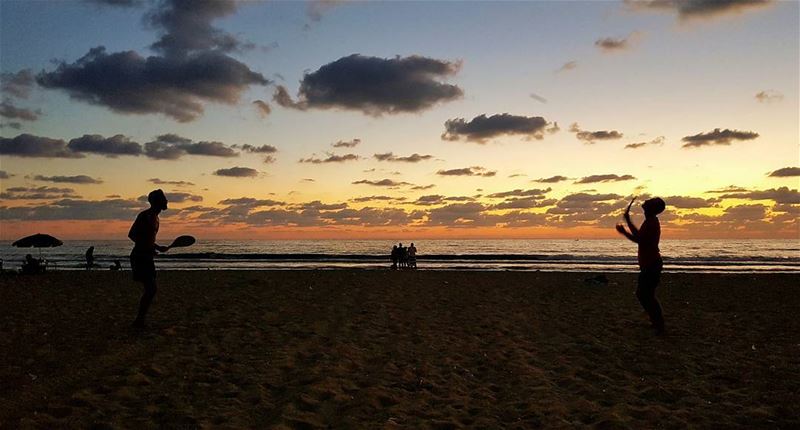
688	202
269	159
128	83
110	147
173	147
517	175
592	136
728	189
117	3
482	128
27	145
521	193
551	180
186	26
17	84
538	97
77	179
263	149
331	158
381	183
37	193
612	44
468	171
8	110
698	8
13	124
376	198
785	172
73	209
431	199
657	141
175	183
375	86
263	108
422	187
592	179
237	172
178	197
768	96
717	137
251	202
471	214
346	143
319	206
413	158
782	195
569	65
525	203
316	8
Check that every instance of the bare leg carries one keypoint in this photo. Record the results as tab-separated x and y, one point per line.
146	300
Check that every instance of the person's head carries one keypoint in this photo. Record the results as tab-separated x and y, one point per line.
401	245
653	207
394	247
412	243
157	200
29	257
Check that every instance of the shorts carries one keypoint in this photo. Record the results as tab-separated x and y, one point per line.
143	267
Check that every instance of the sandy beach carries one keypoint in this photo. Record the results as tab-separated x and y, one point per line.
380	349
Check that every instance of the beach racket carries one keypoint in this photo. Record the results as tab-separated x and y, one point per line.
182	241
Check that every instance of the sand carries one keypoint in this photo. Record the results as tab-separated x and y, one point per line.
381	349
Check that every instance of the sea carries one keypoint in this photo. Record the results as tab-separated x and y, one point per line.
617	255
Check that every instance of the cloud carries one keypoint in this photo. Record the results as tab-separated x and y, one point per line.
117	3
37	193
331	158
175	183
538	97
185	27
4	175
521	193
263	149
768	96
73	209
316	8
376	198
346	143
237	172
782	195
27	145
269	159
381	183
468	171
611	44
657	141
436	199
687	9
592	136
13	124
717	137
785	172
178	197
251	202
17	84
77	179
728	189
481	128
319	206
688	202
413	158
552	179
569	65
173	147
8	110
525	203
375	86
422	187
110	147
263	108
592	179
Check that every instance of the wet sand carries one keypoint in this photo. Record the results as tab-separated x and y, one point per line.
380	349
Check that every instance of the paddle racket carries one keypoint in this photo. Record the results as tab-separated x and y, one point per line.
182	241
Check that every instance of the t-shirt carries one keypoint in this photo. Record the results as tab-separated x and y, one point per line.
649	235
143	231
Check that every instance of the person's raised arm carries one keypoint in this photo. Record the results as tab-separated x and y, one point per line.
634	231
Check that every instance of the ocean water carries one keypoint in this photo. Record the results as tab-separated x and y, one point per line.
615	255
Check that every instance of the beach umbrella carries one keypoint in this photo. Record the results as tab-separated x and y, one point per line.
38	240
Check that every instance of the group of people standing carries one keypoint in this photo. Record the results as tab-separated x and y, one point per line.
404	257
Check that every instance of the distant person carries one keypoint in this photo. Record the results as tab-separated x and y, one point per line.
395	257
402	253
31	265
143	233
116	266
90	258
412	256
650	263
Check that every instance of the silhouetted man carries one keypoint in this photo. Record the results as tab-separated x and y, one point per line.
650	264
143	233
90	258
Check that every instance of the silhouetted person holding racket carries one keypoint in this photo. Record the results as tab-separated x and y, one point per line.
650	264
143	233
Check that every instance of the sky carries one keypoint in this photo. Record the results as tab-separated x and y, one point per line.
339	119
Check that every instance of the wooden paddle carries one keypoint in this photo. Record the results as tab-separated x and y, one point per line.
182	241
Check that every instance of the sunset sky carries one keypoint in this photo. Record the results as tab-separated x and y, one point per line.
342	119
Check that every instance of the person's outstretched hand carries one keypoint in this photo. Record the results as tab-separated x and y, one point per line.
621	228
